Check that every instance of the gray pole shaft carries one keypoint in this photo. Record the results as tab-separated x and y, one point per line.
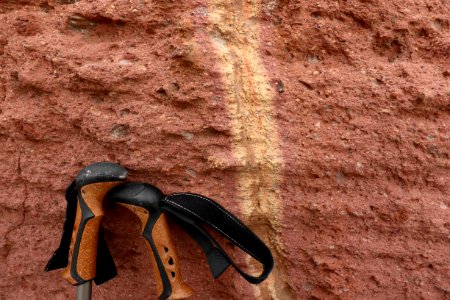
84	291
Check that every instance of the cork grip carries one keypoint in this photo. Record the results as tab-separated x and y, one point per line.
160	235
83	246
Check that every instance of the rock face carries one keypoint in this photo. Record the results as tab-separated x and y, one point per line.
324	125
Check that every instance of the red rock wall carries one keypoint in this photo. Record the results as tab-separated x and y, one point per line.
324	125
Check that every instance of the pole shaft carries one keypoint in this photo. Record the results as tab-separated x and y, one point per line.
84	291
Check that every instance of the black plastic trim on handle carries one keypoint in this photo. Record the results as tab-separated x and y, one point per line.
86	215
148	197
167	288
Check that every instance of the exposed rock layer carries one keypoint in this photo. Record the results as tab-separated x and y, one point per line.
324	125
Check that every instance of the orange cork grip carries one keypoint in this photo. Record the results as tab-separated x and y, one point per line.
83	246
166	251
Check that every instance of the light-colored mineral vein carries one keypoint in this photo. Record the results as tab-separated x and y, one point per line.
235	35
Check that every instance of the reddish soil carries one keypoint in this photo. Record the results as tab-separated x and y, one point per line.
361	110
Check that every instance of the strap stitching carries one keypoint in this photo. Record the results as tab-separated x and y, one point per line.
248	251
215	204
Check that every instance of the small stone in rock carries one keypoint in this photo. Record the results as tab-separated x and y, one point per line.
280	86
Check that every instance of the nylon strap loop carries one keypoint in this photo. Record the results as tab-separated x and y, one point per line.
199	210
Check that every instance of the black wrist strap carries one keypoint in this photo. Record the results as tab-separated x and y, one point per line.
218	262
199	210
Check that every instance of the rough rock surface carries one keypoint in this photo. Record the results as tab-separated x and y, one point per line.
323	124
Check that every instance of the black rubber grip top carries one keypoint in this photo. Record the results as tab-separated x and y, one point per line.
136	193
100	172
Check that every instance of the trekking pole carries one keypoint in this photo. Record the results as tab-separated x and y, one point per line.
83	252
84	291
